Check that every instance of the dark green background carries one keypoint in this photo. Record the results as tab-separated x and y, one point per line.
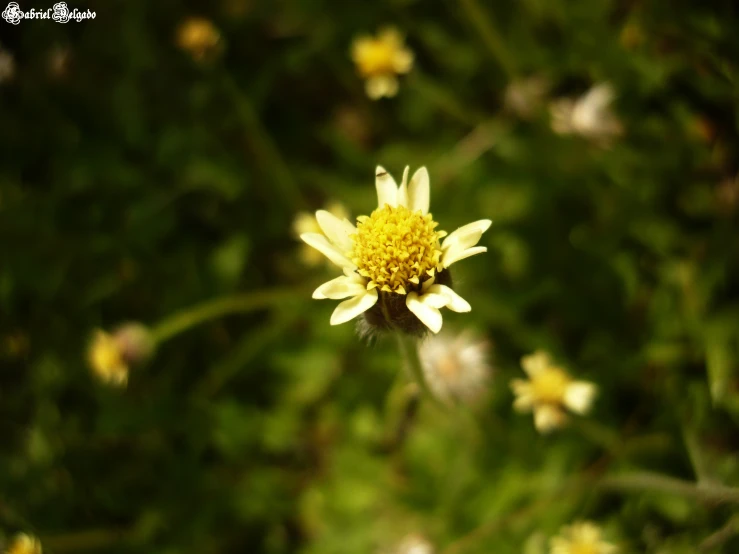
138	183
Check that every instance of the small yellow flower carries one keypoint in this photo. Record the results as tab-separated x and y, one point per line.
456	367
111	356
580	538
549	390
589	116
199	37
24	544
306	222
380	59
106	359
396	270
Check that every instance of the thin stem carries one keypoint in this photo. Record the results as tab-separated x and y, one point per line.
490	35
265	150
241	303
409	349
646	481
721	536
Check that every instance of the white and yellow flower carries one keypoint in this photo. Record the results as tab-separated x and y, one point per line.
380	59
395	267
581	538
549	391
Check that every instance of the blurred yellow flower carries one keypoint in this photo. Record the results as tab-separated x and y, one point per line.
395	267
110	356
580	538
548	391
199	37
380	59
306	222
106	359
456	368
24	544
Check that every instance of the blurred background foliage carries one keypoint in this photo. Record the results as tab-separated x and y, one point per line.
139	179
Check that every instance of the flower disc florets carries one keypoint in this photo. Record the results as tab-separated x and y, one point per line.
396	248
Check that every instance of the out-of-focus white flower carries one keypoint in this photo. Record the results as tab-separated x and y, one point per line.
380	60
581	538
456	368
7	65
589	115
525	97
549	391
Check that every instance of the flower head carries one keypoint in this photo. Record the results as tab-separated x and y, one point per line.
396	270
306	222
580	538
24	544
589	116
199	37
110	356
456	367
548	391
380	59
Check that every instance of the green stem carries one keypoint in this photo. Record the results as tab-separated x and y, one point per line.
646	481
490	35
264	148
241	303
408	346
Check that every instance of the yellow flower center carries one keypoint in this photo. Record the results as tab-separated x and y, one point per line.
550	385
396	248
376	57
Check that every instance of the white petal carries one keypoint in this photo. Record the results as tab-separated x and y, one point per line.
579	396
419	195
339	288
433	300
536	363
403	189
322	244
429	316
338	231
547	418
349	309
453	301
427	284
387	190
453	256
524	393
467	235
